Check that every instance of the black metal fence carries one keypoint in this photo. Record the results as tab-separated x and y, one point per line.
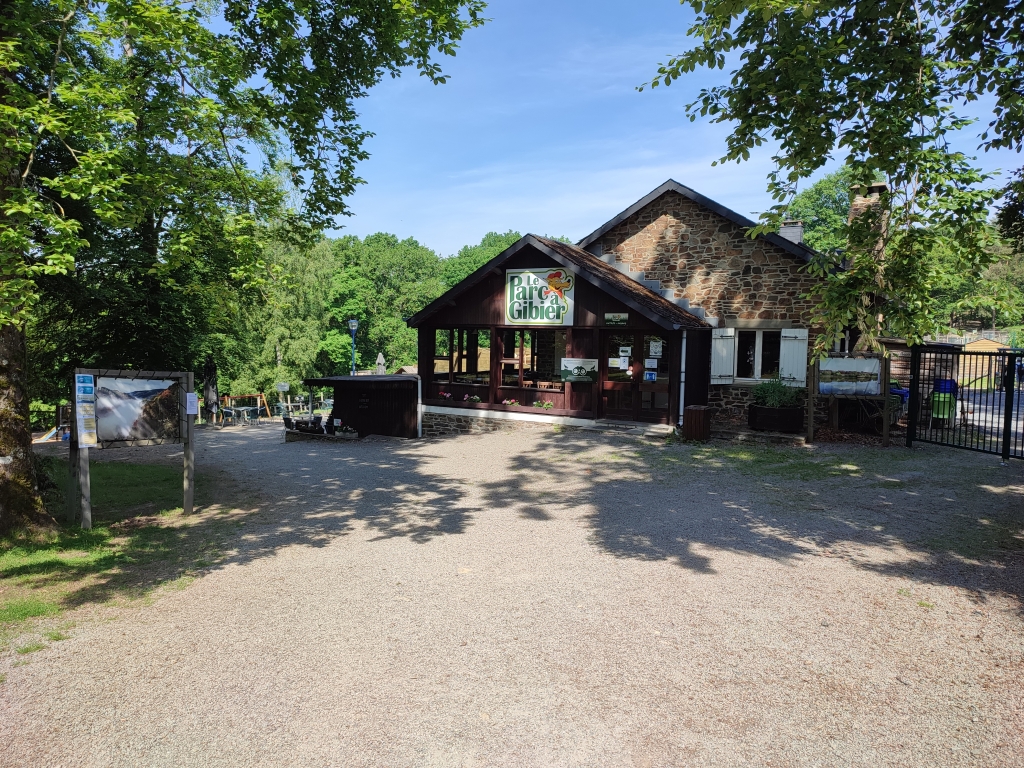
968	400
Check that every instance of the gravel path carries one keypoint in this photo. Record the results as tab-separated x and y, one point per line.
544	599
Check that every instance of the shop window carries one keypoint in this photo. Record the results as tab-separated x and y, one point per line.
463	356
511	357
758	354
533	358
442	355
471	356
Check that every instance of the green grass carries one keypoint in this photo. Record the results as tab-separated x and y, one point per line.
117	487
766	461
26	608
30	648
974	537
140	540
55	635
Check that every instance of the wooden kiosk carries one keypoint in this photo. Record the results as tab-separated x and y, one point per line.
548	328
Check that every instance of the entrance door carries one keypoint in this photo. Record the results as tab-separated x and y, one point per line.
635	386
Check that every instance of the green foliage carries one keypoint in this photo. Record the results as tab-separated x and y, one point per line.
149	114
380	282
824	208
880	86
470	258
772	393
279	338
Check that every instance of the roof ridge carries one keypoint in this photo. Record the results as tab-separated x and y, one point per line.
671	185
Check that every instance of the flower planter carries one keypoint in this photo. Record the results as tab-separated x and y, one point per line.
775	419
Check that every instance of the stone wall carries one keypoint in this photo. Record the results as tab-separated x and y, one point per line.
446	425
711	261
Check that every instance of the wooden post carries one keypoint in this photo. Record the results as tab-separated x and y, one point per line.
886	403
833	412
812	389
71	495
85	486
189	459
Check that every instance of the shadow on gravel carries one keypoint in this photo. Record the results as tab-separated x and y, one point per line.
960	518
937	517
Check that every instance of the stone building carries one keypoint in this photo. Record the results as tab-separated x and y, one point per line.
755	292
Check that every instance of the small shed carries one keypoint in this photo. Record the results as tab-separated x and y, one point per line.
375	405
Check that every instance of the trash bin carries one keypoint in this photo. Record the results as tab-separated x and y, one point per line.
697	423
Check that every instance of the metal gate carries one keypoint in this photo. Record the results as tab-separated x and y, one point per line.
967	400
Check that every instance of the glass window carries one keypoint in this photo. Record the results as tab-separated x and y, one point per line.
511	355
656	358
442	355
620	350
472	356
758	354
771	346
542	359
746	355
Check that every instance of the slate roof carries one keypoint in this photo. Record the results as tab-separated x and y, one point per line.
797	249
585	266
640	294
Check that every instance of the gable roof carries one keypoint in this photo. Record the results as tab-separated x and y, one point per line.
585	266
797	249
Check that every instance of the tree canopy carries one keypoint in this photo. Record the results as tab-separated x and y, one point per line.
878	84
169	136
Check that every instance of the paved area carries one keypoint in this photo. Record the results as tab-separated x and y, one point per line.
563	599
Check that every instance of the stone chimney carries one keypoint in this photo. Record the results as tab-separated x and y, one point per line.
792	230
863	201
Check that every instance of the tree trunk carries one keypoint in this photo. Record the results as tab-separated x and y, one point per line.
20	503
211	396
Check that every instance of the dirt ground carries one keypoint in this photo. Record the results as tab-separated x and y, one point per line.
545	598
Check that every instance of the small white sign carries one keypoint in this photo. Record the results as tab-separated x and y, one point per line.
191	404
283	386
337	422
623	363
656	348
613	362
625	351
651	362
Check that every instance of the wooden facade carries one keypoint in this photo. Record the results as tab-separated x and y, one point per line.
469	351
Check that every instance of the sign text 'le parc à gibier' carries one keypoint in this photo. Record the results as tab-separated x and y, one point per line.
539	296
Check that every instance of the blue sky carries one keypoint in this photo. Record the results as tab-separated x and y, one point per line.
540	129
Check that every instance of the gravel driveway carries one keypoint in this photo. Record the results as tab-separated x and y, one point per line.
562	599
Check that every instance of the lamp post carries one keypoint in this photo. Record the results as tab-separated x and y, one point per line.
352	325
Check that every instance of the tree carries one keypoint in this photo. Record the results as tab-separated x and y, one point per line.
824	208
280	338
470	258
155	113
381	281
879	82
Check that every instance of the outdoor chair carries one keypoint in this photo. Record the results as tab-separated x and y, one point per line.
943	406
228	415
288	424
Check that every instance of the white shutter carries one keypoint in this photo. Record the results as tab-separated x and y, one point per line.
793	357
723	355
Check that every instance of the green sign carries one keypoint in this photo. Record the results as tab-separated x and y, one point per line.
616	318
579	369
539	296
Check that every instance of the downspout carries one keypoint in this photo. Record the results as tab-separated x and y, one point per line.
419	406
682	380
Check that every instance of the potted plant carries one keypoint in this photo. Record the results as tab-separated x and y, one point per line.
775	408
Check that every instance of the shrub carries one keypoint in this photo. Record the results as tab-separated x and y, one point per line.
774	394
